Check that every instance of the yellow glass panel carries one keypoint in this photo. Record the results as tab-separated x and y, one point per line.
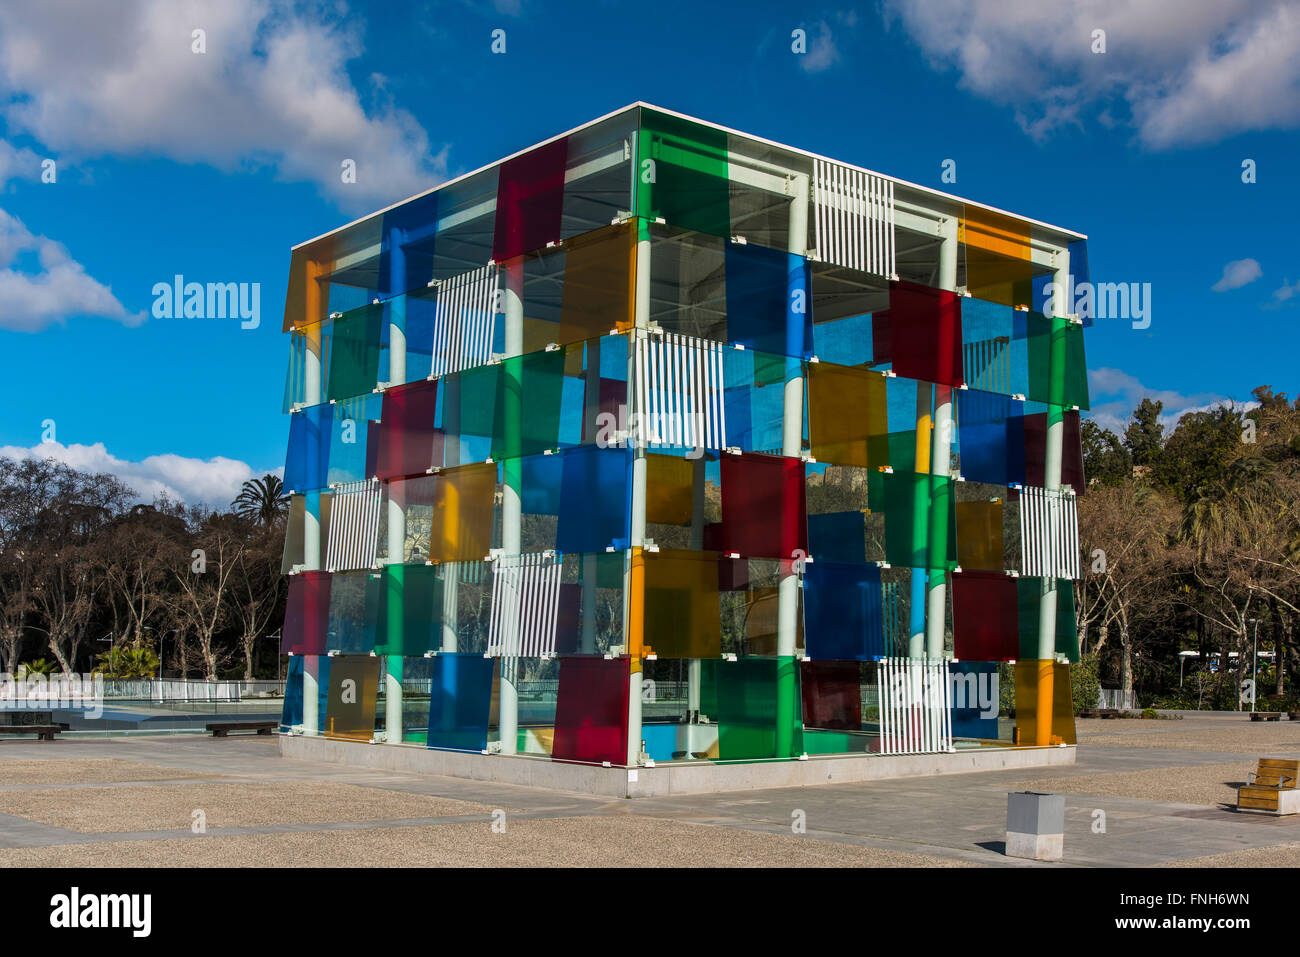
682	614
979	535
598	276
461	526
847	417
353	690
668	489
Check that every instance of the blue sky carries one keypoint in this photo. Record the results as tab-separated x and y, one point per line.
212	165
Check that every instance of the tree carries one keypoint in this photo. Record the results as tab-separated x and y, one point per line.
258	590
126	663
1134	526
262	501
1105	459
135	554
204	581
1144	434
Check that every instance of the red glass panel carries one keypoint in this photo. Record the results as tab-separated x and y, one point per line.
530	201
591	710
985	617
764	513
406	432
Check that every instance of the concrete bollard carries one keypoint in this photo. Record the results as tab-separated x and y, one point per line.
1035	826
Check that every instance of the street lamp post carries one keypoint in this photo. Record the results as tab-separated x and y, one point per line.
1254	664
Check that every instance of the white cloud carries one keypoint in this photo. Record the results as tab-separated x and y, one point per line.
1187	72
272	88
1286	291
30	301
1121	393
1238	273
18	163
822	52
215	481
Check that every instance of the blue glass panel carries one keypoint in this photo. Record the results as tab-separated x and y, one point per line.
460	702
974	699
837	537
353	434
843	613
594	499
307	464
292	713
991	437
768	300
543	478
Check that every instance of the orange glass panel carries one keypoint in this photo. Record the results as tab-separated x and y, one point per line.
1028	673
847	416
461	527
996	248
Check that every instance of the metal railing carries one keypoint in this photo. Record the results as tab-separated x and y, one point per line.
1116	698
189	689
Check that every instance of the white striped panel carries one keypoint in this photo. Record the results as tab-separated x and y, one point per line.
1049	533
988	365
915	706
463	321
525	605
854	217
679	390
354	526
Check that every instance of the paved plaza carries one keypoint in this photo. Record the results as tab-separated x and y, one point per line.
185	800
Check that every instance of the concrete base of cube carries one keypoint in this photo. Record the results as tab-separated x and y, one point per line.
1035	826
677	777
1035	847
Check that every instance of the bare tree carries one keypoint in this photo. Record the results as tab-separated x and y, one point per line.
204	583
258	587
1134	527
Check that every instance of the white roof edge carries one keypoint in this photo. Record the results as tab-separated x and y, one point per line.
862	169
717	126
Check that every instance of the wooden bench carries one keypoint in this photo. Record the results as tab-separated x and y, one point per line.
1266	716
45	732
220	729
1099	713
1272	787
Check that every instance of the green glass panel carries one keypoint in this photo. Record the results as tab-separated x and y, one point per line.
475	397
682	174
756	706
528	405
354	353
906	504
902	451
1029	597
1076	367
1060	379
1067	631
410	611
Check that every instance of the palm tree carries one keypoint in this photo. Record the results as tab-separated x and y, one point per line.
127	663
261	500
